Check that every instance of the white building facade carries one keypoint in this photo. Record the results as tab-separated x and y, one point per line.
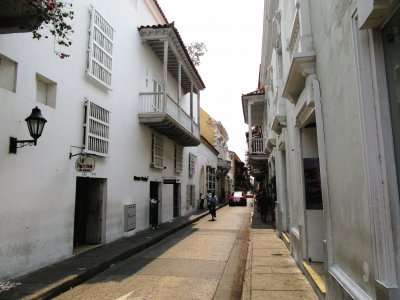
122	126
330	134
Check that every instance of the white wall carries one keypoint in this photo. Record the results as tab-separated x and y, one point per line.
37	185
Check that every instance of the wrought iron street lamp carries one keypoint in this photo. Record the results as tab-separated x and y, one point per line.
35	124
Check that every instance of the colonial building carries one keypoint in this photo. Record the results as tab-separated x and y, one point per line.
329	134
122	126
214	134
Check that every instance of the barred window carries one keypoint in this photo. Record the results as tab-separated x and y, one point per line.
192	164
190	195
96	127
157	149
178	158
100	49
210	178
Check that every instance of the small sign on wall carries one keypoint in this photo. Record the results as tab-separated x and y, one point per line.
85	164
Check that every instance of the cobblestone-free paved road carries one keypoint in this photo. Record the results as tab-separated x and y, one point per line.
203	261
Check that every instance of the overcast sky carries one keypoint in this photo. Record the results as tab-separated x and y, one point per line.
232	32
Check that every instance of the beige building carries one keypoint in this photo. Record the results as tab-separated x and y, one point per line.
214	134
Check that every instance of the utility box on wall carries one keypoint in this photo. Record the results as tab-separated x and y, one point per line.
129	217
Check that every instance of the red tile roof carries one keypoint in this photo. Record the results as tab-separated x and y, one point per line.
257	92
159	8
172	26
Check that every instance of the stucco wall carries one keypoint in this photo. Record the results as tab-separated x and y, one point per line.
37	185
351	230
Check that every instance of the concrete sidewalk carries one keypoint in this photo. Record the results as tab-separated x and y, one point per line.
53	280
271	272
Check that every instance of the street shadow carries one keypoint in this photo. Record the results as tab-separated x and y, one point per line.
258	223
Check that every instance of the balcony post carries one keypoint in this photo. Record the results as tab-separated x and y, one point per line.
179	83
191	106
165	78
249	104
198	109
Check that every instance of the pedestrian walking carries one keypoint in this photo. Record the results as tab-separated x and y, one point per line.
154	213
263	205
212	201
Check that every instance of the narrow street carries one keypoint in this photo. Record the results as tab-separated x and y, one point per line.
203	261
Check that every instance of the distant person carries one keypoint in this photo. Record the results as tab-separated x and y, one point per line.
263	205
212	201
201	201
154	213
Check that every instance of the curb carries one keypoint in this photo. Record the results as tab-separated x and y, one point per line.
246	290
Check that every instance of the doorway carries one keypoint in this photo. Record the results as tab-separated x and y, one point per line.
88	210
177	197
154	193
314	216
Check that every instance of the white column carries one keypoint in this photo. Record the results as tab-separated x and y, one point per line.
191	107
198	108
249	104
179	83
165	71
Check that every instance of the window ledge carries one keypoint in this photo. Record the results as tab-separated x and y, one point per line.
302	65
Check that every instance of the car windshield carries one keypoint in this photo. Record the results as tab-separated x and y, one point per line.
237	194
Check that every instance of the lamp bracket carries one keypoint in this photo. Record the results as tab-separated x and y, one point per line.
15	144
79	153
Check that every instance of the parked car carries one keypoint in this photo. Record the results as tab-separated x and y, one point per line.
249	194
238	198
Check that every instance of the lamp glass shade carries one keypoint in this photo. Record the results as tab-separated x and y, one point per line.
35	123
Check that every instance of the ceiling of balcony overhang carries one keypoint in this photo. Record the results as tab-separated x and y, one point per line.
166	125
155	36
257	108
17	16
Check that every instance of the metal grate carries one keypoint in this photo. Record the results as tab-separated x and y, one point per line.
100	49
190	195
129	217
192	164
96	129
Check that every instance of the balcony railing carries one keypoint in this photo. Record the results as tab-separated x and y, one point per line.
224	164
152	102
258	145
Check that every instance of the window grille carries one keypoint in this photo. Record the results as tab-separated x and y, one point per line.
100	49
178	158
210	177
157	148
190	195
97	120
192	164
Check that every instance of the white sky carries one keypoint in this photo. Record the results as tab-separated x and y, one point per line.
232	32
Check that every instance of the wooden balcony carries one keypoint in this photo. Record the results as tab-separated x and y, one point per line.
162	113
258	152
